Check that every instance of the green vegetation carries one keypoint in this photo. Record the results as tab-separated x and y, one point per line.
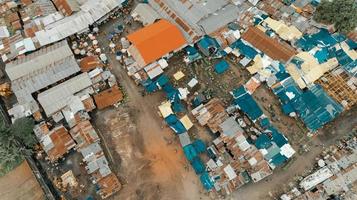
341	13
14	142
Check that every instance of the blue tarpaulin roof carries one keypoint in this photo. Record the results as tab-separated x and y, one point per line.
206	181
352	44
247	50
199	145
264	123
196	101
322	55
175	124
197	165
150	86
190	152
153	85
263	142
209	46
322	38
192	53
313	106
162	80
171	119
221	67
247	104
190	50
206	42
281	74
177	107
277	137
238	92
287	108
278	160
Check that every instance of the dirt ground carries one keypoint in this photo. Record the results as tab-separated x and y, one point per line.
146	154
20	184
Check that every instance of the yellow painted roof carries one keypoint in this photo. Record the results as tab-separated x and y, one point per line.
284	31
186	122
165	109
179	75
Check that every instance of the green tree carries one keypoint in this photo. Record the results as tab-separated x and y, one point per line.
341	13
10	152
15	141
22	129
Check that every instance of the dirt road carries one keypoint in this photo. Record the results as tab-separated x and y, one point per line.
20	184
147	154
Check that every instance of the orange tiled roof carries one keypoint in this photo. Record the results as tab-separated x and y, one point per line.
156	40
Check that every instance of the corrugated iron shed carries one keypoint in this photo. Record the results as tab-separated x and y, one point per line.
57	142
56	98
41	69
155	41
272	47
108	97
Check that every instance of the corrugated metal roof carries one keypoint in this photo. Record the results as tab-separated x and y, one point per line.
56	98
313	106
156	40
220	18
41	69
146	13
38	60
108	97
91	11
270	46
230	127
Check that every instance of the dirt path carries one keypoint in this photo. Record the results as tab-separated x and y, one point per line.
150	159
19	184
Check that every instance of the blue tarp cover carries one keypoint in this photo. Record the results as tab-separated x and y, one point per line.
190	152
264	123
206	181
263	142
221	67
278	159
244	49
313	106
175	124
246	103
277	137
322	55
322	38
199	145
198	166
171	119
162	80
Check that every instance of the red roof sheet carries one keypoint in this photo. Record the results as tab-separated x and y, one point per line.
270	46
156	40
108	97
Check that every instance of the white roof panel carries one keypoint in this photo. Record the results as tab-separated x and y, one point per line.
56	98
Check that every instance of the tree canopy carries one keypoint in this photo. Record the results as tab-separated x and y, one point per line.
23	131
14	141
341	13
